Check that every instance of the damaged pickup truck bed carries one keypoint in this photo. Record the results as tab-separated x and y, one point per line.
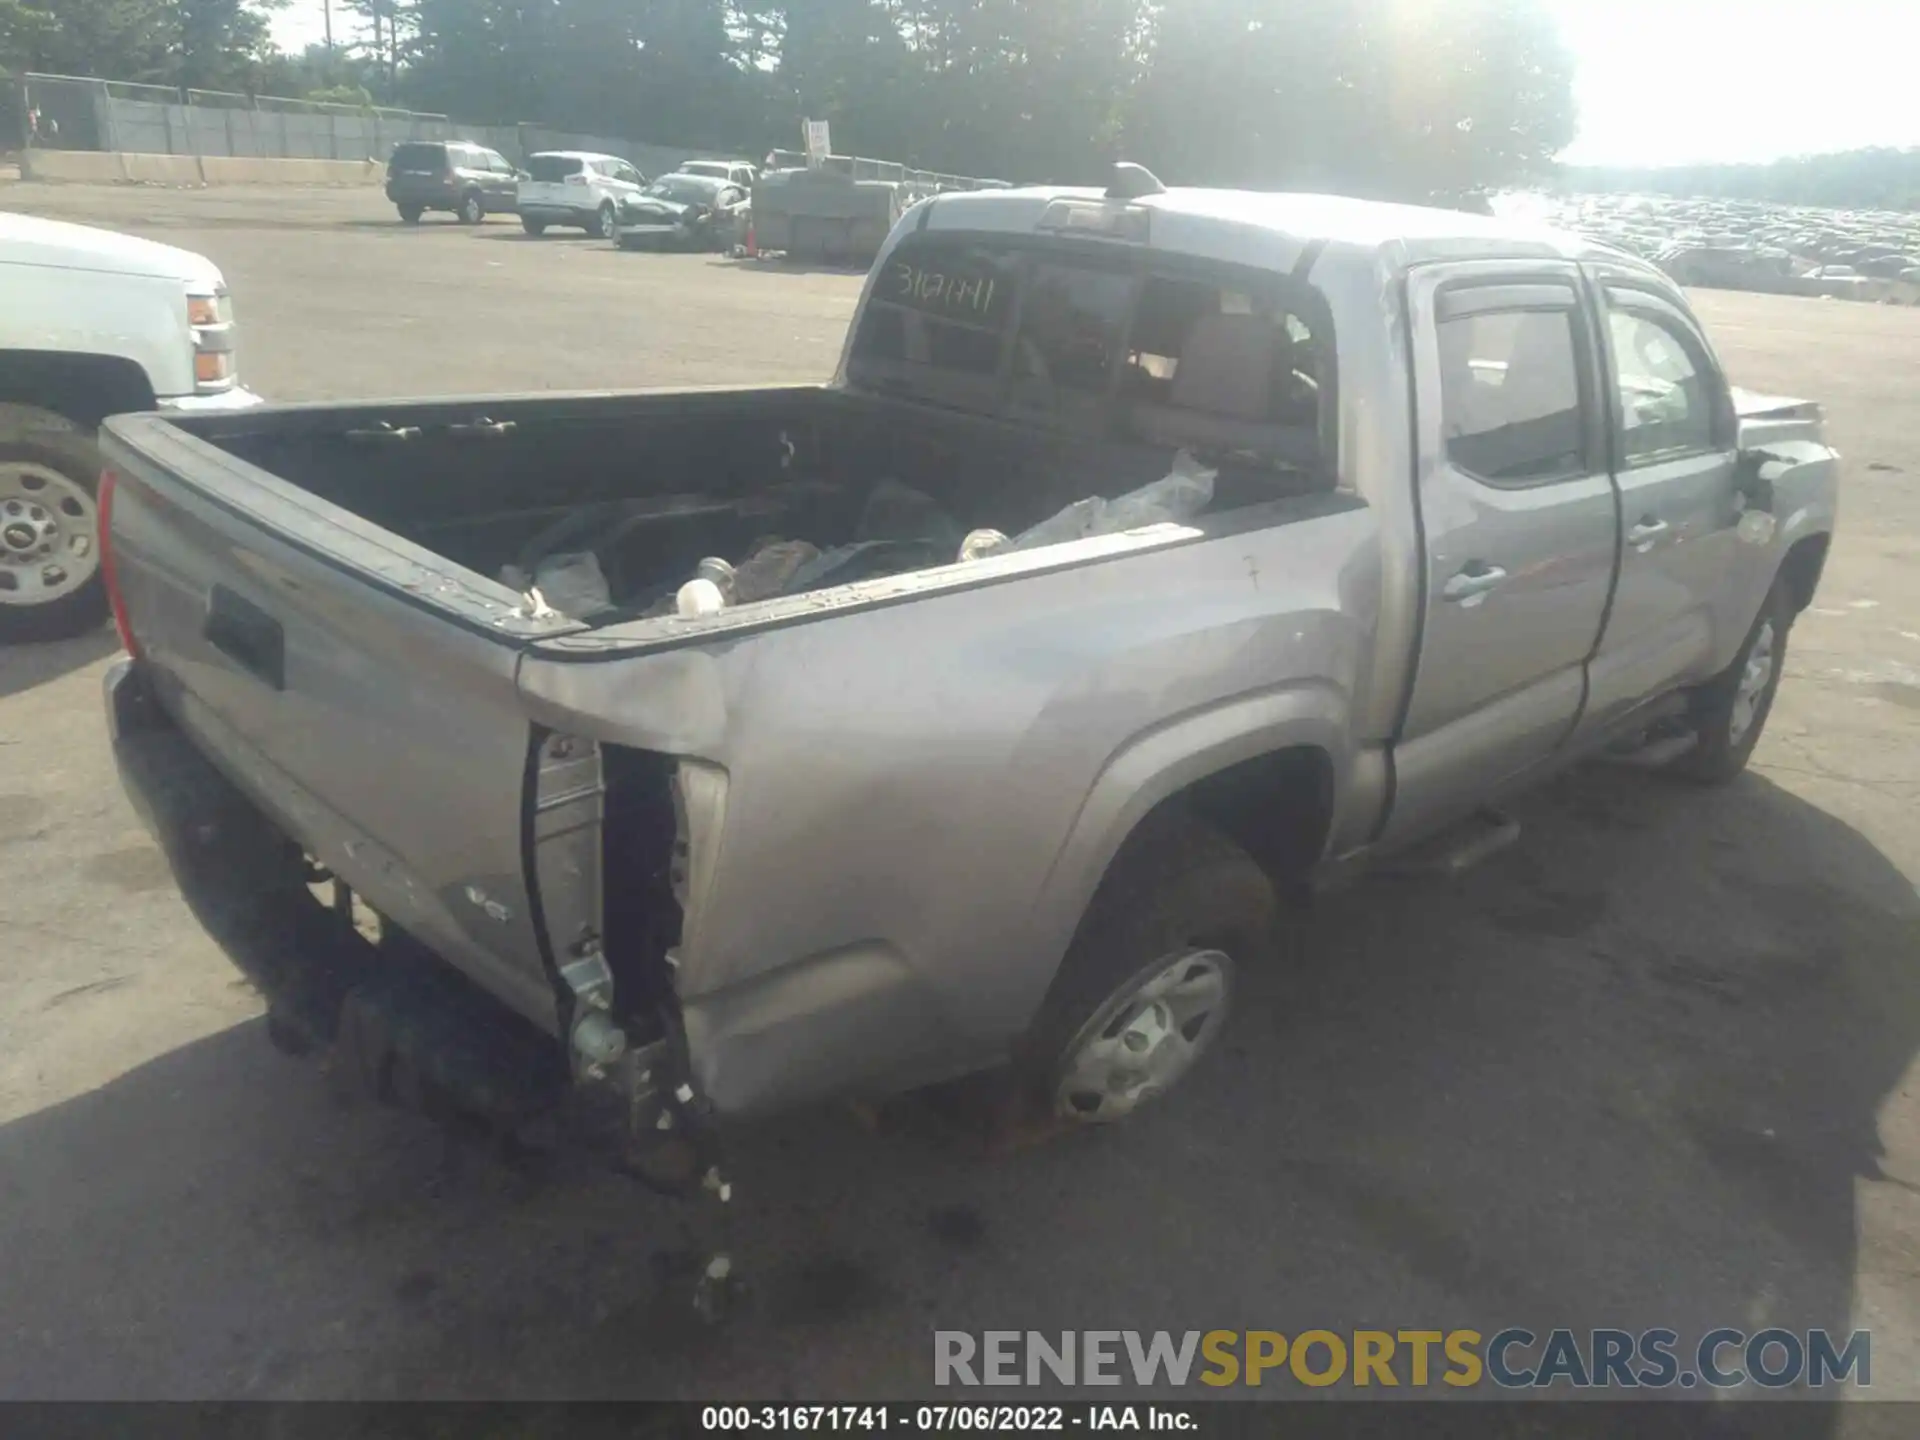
885	731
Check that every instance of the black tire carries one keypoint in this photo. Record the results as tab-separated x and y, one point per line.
536	228
473	209
410	214
1177	887
601	227
1725	743
84	609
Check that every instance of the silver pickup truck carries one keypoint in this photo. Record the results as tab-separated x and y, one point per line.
1154	556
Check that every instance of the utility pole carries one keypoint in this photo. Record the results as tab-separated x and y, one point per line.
327	5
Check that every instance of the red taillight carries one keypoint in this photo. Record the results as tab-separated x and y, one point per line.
103	498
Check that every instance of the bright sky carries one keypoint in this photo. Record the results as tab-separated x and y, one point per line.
1665	82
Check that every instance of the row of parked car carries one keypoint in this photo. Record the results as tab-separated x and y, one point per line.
703	203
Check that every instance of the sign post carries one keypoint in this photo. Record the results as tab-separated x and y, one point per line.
819	142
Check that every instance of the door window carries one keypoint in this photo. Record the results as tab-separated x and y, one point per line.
1665	390
1510	396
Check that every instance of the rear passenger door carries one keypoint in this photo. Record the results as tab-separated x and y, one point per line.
1518	514
502	182
1674	447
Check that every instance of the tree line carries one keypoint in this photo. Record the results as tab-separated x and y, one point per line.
1877	178
1368	96
205	44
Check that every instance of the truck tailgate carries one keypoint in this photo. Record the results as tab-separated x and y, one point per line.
309	653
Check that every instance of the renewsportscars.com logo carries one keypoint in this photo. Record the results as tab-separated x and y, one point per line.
1511	1359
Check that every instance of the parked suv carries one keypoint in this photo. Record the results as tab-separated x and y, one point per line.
576	187
470	180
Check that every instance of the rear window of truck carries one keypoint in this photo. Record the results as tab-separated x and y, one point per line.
1103	341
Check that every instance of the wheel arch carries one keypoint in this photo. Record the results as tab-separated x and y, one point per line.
55	390
1267	770
1802	566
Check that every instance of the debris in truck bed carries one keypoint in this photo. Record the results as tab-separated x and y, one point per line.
1177	497
981	543
765	572
899	512
699	596
900	530
574	584
721	573
865	560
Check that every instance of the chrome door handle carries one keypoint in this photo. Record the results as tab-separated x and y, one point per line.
1470	587
1642	536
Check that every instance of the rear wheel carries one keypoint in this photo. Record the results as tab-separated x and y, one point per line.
601	227
1148	983
410	214
472	208
533	227
50	582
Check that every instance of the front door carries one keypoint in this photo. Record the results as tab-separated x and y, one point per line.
624	182
1520	525
503	183
1674	448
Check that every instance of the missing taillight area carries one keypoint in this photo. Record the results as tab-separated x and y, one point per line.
645	861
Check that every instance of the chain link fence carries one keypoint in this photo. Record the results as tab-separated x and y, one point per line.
73	113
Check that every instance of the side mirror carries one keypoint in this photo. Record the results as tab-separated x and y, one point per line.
522	175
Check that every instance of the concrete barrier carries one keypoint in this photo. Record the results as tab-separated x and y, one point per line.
108	167
161	169
87	167
235	170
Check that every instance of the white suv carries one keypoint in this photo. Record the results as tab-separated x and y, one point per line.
576	187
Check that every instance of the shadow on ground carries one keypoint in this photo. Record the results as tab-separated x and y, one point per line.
779	265
432	220
558	235
1626	1075
22	667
